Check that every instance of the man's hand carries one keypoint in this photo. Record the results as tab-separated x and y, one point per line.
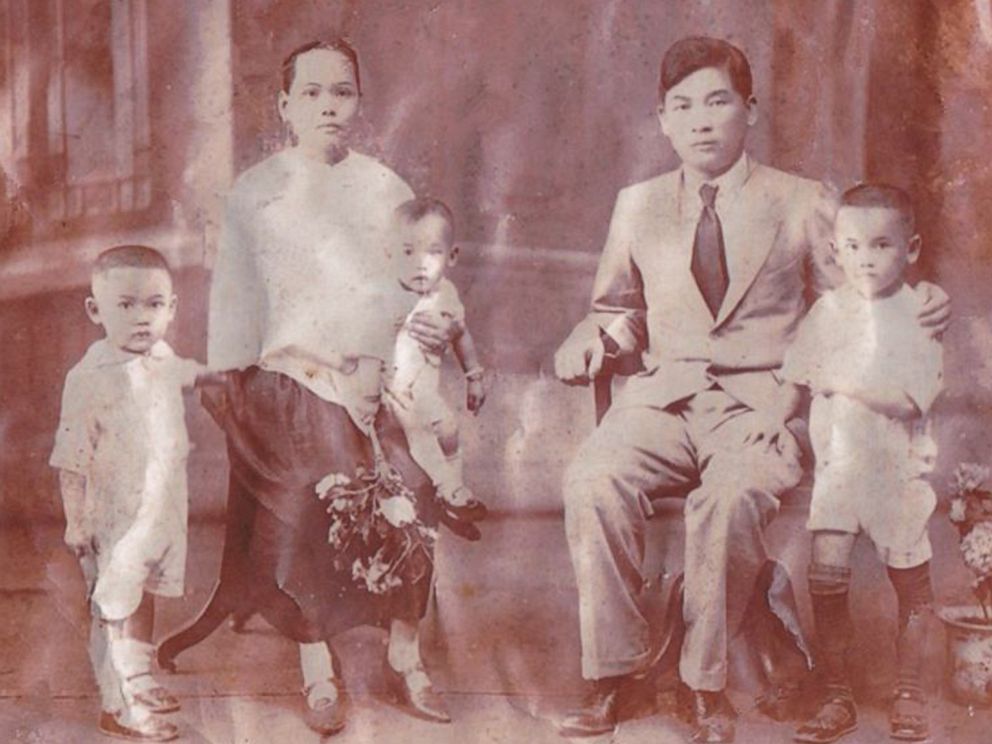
433	331
475	395
768	425
768	430
579	359
935	314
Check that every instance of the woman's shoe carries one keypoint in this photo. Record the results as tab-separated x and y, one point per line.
422	698
326	715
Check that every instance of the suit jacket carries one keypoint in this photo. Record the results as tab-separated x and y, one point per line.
776	229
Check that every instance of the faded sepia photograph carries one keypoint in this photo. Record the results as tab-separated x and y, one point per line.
496	371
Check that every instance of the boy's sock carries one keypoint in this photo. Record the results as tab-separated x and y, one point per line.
107	680
131	660
915	595
828	588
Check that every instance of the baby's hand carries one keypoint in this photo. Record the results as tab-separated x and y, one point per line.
475	396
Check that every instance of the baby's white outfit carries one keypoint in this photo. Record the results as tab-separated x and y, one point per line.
413	392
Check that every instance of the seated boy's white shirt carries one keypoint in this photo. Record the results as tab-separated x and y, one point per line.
869	466
123	428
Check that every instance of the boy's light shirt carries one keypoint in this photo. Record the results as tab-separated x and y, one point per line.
123	428
852	342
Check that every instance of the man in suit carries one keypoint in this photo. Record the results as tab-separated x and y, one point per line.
705	271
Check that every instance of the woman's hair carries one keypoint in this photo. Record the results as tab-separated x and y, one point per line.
334	44
695	53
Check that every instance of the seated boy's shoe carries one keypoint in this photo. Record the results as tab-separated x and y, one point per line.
598	713
712	718
146	729
836	717
460	527
908	715
463	504
326	714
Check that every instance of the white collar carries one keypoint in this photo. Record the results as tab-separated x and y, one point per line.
103	354
728	184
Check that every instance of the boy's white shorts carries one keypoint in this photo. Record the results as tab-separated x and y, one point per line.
892	510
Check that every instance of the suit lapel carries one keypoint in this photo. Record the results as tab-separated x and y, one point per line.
675	232
750	228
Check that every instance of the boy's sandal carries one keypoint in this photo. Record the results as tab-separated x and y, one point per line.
151	729
155	699
836	717
908	718
327	716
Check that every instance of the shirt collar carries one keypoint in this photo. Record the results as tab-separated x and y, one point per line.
104	354
728	184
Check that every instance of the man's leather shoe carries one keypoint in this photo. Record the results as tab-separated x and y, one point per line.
712	718
598	711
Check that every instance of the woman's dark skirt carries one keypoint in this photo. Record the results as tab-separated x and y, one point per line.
282	439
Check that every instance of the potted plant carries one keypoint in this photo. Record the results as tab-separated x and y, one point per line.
969	627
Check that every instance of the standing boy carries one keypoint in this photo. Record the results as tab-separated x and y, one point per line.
705	270
121	451
874	374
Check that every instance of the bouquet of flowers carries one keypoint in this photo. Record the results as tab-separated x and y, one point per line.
375	527
971	513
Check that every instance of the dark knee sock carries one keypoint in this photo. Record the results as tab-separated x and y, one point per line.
828	589
915	595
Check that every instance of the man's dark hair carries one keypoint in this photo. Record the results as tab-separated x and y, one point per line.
129	256
881	195
333	44
695	53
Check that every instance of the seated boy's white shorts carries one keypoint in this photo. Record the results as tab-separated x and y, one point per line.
892	511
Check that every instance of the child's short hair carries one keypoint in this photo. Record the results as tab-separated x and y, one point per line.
333	44
694	53
129	256
414	210
881	195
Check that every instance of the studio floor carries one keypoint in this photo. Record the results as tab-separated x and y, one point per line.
500	640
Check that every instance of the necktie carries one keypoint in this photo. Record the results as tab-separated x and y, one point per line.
709	260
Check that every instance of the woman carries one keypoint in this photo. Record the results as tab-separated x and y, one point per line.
304	308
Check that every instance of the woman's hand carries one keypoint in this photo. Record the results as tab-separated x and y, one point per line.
935	314
433	331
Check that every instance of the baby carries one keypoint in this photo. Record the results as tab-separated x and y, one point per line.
874	374
412	390
120	451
